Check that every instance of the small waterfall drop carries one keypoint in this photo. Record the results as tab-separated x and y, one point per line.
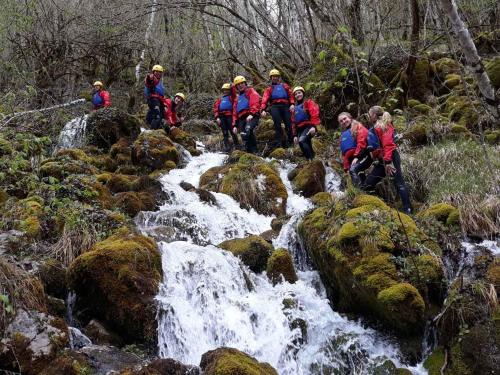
73	133
208	298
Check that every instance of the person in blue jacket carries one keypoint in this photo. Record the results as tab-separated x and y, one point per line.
154	92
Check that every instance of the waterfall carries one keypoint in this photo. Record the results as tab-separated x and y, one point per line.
73	133
208	298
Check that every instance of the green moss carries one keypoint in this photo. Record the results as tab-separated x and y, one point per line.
422	108
369	200
31	226
253	251
5	147
492	136
184	139
153	149
348	232
493	69
279	264
445	66
278	153
117	280
452	80
227	361
73	153
132	202
322	199
376	273
442	212
65	167
417	133
404	307
310	178
413	102
435	362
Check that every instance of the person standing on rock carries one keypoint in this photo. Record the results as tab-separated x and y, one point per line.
154	92
246	113
223	113
172	109
280	97
390	160
353	145
305	119
100	97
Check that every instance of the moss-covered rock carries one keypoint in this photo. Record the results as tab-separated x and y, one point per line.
184	139
228	361
322	199
462	110
61	168
444	212
153	149
452	80
253	251
280	264
417	133
309	178
53	275
5	147
279	153
132	202
445	66
106	126
492	136
493	69
116	282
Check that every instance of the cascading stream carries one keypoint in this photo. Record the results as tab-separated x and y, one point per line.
73	133
209	299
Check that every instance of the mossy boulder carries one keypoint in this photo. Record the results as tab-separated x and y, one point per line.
322	199
132	202
184	139
462	110
53	275
279	153
253	251
493	69
251	181
63	167
444	212
153	149
280	264
228	361
309	178
116	281
5	147
106	126
446	66
492	136
452	80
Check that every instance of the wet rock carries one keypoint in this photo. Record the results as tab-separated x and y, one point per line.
53	276
269	235
184	139
31	341
153	149
108	125
206	196
280	265
163	367
100	335
77	339
309	178
253	251
228	361
187	186
116	281
105	359
278	222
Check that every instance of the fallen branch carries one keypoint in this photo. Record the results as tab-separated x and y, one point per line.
11	117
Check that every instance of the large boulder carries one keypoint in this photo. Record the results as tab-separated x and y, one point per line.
31	341
116	282
280	265
106	126
228	361
251	181
253	251
152	150
184	139
163	367
309	178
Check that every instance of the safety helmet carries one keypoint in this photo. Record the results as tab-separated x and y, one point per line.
239	79
181	95
226	86
157	68
98	83
299	88
274	72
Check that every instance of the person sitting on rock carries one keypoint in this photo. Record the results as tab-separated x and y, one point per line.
223	113
172	109
305	119
353	145
279	96
246	113
390	160
100	97
154	92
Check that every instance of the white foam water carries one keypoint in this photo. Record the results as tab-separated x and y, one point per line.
73	133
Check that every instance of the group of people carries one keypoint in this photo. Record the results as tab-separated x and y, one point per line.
240	107
362	148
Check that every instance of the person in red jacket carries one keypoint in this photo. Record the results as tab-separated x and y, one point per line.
305	119
246	113
390	163
100	97
154	93
353	145
281	100
223	113
172	108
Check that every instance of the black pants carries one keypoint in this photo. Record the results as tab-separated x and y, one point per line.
281	113
246	129
362	165
378	173
156	113
305	142
225	125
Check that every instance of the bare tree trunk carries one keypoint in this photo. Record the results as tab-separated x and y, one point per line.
154	4
354	11
415	41
472	57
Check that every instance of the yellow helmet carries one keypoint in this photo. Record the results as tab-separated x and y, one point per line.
298	88
181	95
226	86
274	72
239	79
98	83
157	68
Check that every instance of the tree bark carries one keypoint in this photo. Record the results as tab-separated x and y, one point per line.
472	58
415	41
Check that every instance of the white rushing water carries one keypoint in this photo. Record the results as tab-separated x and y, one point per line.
209	299
73	133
